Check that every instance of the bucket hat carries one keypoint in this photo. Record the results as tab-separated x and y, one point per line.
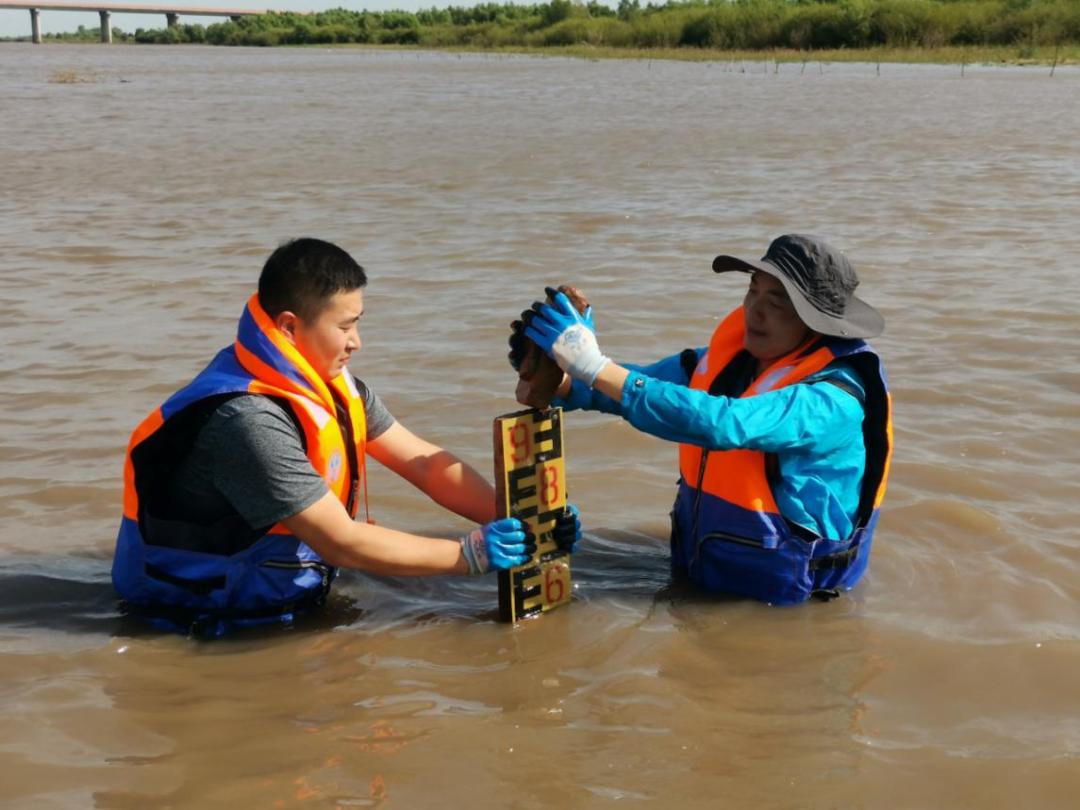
820	282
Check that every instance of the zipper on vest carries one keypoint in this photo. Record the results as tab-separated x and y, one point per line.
297	565
725	537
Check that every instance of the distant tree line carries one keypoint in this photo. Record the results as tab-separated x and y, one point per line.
719	24
84	34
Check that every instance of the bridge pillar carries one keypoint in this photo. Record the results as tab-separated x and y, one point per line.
106	29
171	18
35	26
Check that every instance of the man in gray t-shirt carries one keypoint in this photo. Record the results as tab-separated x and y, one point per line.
227	510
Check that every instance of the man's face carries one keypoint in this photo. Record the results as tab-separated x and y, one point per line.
330	340
772	326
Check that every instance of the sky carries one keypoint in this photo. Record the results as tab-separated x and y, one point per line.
16	23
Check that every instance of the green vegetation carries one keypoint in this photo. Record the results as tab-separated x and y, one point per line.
1014	30
84	34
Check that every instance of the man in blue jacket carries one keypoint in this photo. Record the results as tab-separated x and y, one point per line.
783	424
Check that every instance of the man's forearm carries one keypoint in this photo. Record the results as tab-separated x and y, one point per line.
327	528
389	552
453	484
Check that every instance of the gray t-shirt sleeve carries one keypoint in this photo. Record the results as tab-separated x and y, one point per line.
378	417
259	464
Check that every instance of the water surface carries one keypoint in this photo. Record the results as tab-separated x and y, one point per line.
135	211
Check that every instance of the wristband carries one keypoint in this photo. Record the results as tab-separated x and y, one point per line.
474	550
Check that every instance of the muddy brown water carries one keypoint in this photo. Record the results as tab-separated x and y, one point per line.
136	208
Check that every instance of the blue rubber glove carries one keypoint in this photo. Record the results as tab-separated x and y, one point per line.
586	316
519	349
567	531
497	546
568	338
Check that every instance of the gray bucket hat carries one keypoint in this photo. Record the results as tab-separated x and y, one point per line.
820	282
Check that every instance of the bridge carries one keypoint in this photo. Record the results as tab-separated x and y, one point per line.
105	11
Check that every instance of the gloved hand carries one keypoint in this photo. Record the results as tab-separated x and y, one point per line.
519	348
567	531
567	337
497	546
586	317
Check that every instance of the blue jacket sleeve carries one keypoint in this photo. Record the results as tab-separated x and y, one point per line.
583	398
812	416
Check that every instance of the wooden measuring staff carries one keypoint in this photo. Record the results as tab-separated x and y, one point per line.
530	484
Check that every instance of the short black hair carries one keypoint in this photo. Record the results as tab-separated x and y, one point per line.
302	275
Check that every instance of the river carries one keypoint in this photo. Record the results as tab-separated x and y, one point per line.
141	188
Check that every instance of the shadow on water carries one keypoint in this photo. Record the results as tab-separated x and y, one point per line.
70	594
75	594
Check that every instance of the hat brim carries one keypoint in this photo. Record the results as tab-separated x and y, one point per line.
860	319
